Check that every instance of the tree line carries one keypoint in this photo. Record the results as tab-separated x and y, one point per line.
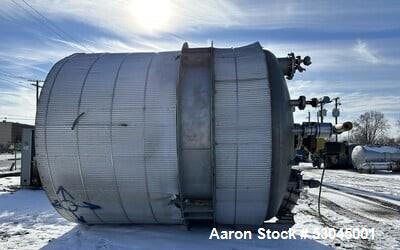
372	128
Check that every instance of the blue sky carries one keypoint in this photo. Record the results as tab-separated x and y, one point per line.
354	45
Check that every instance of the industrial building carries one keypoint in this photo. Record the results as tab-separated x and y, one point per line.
11	132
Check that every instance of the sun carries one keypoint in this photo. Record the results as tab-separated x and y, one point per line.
152	15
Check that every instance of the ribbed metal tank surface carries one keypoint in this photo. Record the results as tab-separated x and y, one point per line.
242	135
107	147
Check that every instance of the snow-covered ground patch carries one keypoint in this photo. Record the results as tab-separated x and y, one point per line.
5	156
350	200
28	221
353	200
26	218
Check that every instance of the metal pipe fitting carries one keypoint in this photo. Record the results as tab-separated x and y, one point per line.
343	127
291	63
320	130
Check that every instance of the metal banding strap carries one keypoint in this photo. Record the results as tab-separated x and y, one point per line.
111	139
77	134
237	134
194	132
144	139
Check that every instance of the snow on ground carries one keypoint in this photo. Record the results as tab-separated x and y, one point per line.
381	183
353	200
5	156
350	199
26	218
28	221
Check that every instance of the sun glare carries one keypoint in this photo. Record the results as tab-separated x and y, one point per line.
152	15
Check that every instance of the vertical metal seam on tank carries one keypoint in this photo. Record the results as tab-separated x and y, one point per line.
111	138
45	124
212	136
144	139
178	134
237	132
77	134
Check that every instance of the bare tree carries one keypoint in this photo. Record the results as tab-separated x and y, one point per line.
370	128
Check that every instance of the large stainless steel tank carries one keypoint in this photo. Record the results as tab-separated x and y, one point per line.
169	137
375	158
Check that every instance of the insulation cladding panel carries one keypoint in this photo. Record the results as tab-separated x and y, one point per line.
242	135
106	138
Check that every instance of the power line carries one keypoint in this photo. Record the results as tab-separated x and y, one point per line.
14	83
50	25
56	26
15	94
13	76
37	19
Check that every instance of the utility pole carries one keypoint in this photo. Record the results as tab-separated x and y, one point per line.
321	112
335	113
324	100
36	84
